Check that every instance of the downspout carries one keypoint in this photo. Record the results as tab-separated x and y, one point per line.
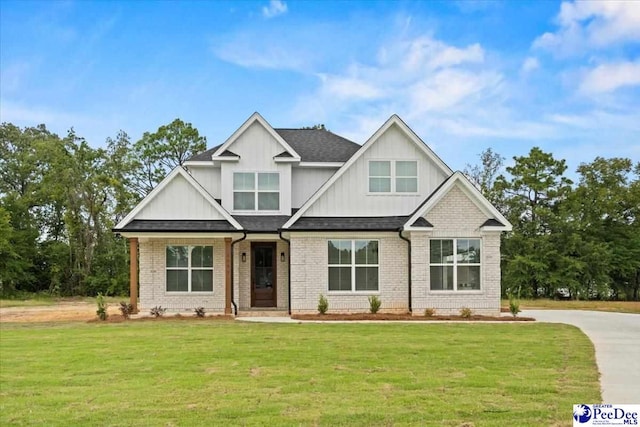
409	263
233	243
288	271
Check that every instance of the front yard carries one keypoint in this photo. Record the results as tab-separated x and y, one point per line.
215	372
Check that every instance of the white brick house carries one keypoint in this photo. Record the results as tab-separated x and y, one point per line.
273	218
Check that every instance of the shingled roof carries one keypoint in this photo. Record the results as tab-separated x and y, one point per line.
313	145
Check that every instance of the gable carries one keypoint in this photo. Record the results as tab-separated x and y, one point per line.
347	192
179	200
257	147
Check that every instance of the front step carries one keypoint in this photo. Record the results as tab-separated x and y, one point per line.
262	312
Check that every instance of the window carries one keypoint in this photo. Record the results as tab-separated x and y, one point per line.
189	268
455	270
353	265
404	173
256	191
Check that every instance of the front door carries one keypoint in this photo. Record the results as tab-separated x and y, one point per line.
263	274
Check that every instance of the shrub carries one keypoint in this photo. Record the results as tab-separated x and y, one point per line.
199	311
102	307
429	312
323	304
374	304
465	312
126	309
157	311
514	304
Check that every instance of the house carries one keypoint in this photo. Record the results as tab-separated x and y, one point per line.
273	218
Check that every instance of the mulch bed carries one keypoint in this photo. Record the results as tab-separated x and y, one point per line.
406	317
118	318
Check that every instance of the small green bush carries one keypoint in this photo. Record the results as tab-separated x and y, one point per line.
199	311
465	312
514	302
102	307
429	312
374	304
157	311
126	309
323	304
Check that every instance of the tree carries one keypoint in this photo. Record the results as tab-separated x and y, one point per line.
483	176
156	154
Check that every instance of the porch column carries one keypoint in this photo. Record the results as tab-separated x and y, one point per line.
133	273
227	275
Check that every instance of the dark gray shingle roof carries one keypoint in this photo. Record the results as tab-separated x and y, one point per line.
379	223
492	222
261	223
313	145
168	226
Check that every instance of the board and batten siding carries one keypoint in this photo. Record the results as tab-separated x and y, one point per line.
256	148
349	195
306	181
209	177
179	200
456	216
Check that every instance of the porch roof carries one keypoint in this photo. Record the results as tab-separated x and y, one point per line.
261	223
360	223
177	225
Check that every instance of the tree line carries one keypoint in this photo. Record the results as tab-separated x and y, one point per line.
60	198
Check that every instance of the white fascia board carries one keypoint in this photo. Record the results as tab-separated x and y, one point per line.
393	120
225	158
320	164
255	117
178	170
286	160
471	191
496	228
417	229
197	163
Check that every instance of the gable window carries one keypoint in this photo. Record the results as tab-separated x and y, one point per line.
189	268
454	264
399	176
353	265
256	191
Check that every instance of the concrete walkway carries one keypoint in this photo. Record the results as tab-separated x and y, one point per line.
616	338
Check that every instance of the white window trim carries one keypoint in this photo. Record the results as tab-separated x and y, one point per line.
189	269
255	192
353	266
455	266
393	177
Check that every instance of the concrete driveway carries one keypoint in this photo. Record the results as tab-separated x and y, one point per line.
616	338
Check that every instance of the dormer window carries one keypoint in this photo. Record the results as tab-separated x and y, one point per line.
387	176
256	191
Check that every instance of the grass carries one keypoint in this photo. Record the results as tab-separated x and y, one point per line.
212	372
44	299
617	306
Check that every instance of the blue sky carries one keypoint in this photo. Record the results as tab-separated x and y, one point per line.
465	75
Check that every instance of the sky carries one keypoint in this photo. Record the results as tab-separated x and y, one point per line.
464	75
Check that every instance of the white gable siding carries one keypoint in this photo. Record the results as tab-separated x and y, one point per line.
348	195
306	181
256	148
208	177
179	200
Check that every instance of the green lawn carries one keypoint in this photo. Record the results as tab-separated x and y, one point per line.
212	372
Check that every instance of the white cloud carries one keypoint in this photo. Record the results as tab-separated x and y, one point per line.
275	8
609	77
592	24
269	53
530	64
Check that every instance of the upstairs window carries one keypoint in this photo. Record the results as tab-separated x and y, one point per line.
399	176
256	191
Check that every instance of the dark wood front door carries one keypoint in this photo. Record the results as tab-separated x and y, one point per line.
263	274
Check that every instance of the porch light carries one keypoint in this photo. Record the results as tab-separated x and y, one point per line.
244	257
281	256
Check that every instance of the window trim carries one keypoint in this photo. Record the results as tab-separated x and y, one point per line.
352	265
393	178
189	269
256	191
455	265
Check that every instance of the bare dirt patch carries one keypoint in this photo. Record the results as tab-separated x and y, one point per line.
61	312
